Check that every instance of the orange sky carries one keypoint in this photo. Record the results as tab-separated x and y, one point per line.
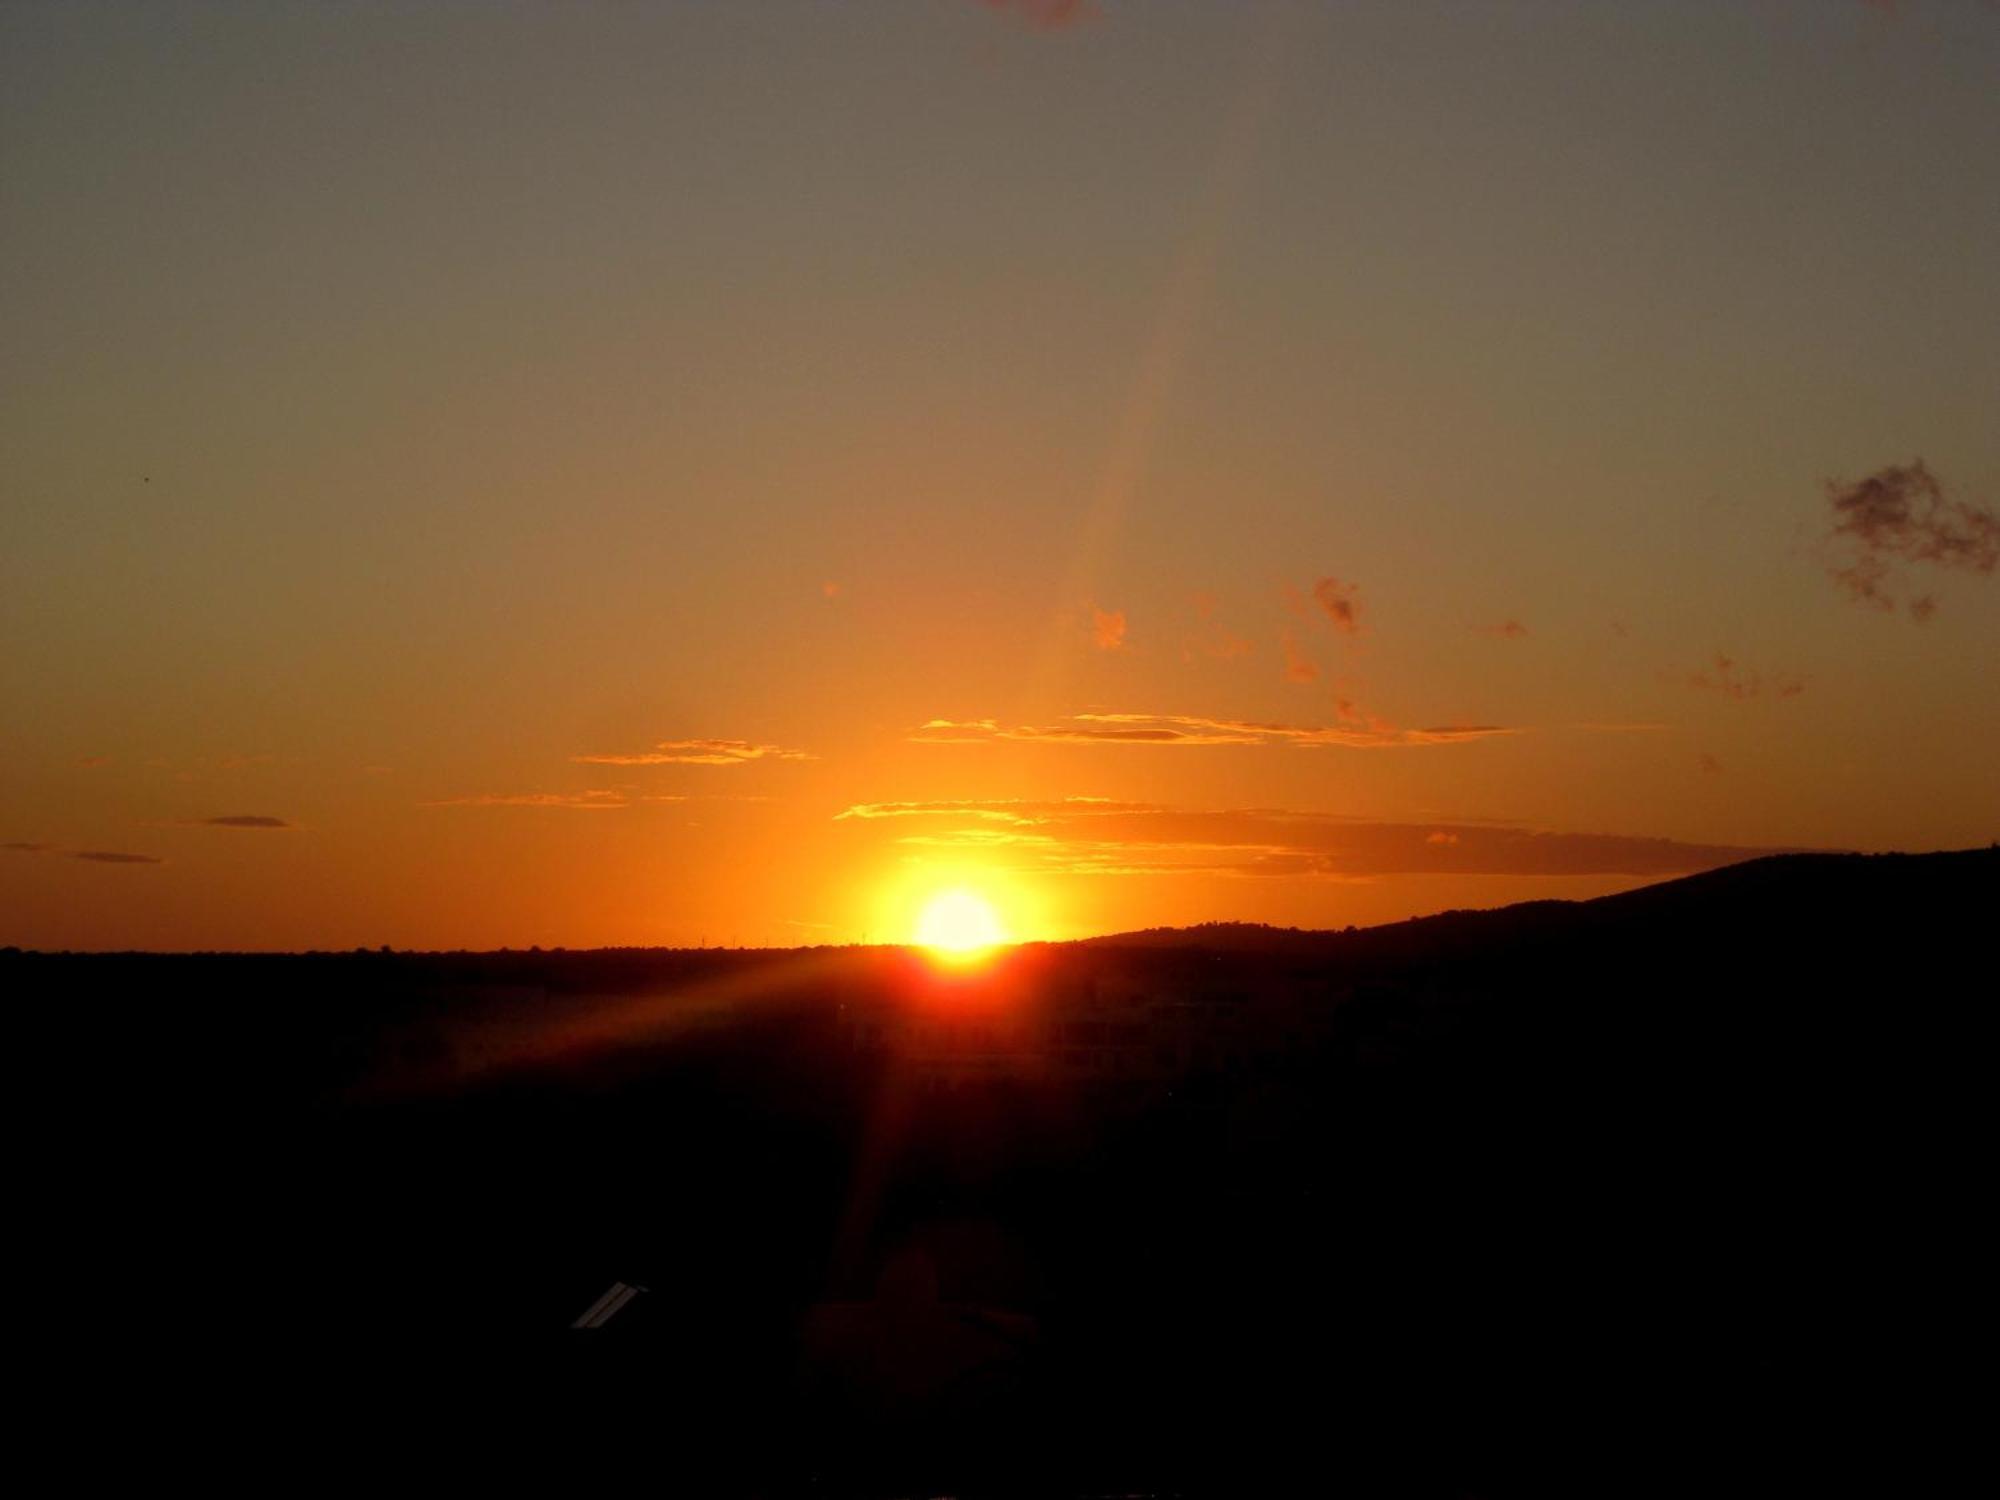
514	474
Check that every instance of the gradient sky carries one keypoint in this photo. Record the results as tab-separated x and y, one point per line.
480	474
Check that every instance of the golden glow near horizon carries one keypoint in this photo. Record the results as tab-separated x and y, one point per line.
1304	464
960	926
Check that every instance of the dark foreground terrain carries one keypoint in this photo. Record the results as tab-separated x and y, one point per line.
1677	1189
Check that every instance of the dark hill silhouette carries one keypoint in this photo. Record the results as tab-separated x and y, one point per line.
1616	1194
1798	886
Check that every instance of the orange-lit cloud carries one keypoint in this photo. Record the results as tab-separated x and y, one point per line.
1506	630
1338	600
1191	730
1019	812
1086	837
1045	15
1107	628
1222	645
1298	666
1732	680
1213	640
579	801
695	753
1900	514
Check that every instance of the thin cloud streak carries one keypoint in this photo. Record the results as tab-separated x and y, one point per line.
1100	837
592	801
1191	730
95	856
694	753
1021	812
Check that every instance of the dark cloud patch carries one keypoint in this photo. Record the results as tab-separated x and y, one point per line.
1339	603
22	846
246	820
1901	515
116	857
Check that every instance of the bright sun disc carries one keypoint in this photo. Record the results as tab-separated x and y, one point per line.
959	925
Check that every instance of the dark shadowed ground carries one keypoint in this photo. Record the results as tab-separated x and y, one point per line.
1675	1189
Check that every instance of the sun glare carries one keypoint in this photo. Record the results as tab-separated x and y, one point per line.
959	926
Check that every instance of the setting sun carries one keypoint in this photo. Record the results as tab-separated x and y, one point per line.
959	925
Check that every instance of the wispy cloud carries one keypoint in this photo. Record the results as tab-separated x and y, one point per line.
694	753
577	801
1733	680
1107	628
95	856
1340	605
594	800
1219	644
1900	514
1506	630
245	820
1213	640
1018	812
1085	836
1299	667
1045	15
1192	730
